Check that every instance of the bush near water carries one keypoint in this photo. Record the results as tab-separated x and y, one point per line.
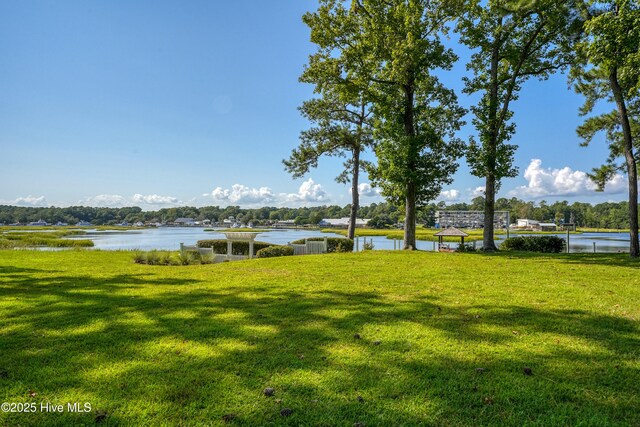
545	244
274	251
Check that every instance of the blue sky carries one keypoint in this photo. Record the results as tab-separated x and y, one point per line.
158	104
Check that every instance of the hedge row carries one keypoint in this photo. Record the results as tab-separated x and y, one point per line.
274	251
239	248
548	244
334	244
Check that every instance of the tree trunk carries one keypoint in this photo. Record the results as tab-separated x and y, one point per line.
355	196
410	196
410	218
632	173
488	243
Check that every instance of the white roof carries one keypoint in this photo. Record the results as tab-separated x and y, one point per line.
529	221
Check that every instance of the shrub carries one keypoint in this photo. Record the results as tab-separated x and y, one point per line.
139	257
152	258
334	244
155	257
367	246
274	251
465	248
547	244
239	248
187	258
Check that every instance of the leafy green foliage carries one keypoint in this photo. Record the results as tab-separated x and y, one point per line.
416	117
608	69
513	41
274	251
465	248
547	244
341	117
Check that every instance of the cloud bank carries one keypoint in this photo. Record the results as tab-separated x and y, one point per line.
28	201
151	201
546	182
308	193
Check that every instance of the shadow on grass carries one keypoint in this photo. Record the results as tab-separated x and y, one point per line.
603	259
189	354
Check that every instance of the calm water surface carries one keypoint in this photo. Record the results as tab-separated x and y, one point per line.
169	238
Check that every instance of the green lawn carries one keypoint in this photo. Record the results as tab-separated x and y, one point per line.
444	339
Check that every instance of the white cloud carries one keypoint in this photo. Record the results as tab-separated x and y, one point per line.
243	195
477	192
26	201
366	190
544	182
104	200
154	199
151	201
449	195
309	192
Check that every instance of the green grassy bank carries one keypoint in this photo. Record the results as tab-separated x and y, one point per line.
442	339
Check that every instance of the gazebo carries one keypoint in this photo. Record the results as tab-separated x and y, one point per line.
449	232
240	237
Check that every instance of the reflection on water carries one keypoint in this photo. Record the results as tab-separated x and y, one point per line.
169	238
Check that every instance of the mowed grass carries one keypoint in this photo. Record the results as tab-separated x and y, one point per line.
444	339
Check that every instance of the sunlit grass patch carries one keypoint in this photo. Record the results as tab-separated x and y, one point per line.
378	338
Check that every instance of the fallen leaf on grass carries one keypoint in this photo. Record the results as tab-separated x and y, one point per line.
285	412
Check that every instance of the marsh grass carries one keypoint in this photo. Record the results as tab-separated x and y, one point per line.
381	338
51	239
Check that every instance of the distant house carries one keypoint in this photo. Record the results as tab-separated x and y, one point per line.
39	223
187	222
61	224
527	223
547	226
530	224
84	224
342	222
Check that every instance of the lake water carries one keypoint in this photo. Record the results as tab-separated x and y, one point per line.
169	238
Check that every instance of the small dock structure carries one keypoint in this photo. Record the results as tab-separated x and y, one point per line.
449	232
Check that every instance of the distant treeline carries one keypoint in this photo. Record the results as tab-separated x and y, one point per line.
603	215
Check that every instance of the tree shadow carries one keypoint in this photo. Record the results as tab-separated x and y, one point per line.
603	259
190	352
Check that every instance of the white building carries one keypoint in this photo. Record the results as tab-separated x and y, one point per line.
524	223
342	222
469	219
